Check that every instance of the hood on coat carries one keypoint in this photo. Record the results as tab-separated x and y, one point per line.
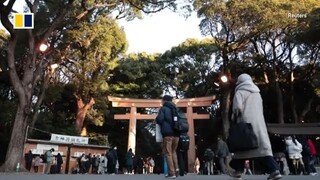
169	104
245	82
288	141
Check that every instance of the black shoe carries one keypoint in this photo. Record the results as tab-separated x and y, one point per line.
275	175
236	175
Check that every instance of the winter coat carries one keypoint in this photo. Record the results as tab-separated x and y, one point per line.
222	149
294	150
165	119
112	157
59	159
247	101
49	156
129	158
312	148
37	161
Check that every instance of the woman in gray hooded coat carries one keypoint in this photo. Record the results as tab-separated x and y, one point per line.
247	104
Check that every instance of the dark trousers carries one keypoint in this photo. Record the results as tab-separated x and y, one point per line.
269	162
58	168
111	168
35	168
28	165
306	162
182	162
129	168
311	163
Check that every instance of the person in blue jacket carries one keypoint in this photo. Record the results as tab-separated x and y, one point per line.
170	137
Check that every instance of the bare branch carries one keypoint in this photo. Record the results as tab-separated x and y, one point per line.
4	14
151	2
105	5
29	4
35	5
58	20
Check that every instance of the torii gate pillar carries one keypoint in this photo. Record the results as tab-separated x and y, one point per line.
132	129
133	116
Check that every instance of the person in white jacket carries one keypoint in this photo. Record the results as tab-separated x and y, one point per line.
294	149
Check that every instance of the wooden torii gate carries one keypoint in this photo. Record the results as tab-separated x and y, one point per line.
133	116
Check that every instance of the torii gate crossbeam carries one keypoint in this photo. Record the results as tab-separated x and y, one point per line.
133	116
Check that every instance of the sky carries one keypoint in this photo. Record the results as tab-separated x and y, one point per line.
159	32
155	33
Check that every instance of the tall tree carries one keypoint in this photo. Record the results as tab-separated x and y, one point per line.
93	51
251	32
224	21
53	16
189	68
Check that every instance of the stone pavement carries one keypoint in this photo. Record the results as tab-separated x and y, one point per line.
138	177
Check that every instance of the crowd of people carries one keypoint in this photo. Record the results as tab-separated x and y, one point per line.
105	163
298	158
247	111
52	164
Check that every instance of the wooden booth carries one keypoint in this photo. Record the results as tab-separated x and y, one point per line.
133	116
69	151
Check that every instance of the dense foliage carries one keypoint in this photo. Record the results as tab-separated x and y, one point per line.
258	37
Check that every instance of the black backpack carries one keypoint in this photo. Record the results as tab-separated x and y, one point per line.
181	124
44	157
209	155
184	142
306	150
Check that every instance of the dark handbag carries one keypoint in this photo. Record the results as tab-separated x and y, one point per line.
241	134
242	137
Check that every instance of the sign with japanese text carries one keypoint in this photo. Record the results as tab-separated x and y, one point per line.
69	139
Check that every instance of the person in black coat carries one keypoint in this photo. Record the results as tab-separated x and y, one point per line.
182	152
129	161
29	158
59	163
112	160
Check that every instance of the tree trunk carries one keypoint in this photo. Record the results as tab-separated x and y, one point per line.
305	111
279	103
17	140
226	102
82	110
279	98
293	103
40	100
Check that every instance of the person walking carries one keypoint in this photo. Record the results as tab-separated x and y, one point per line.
129	161
182	152
208	157
247	104
247	169
170	137
313	159
294	149
223	155
197	165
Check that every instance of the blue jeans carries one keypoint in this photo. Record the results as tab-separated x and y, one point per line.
311	163
269	162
